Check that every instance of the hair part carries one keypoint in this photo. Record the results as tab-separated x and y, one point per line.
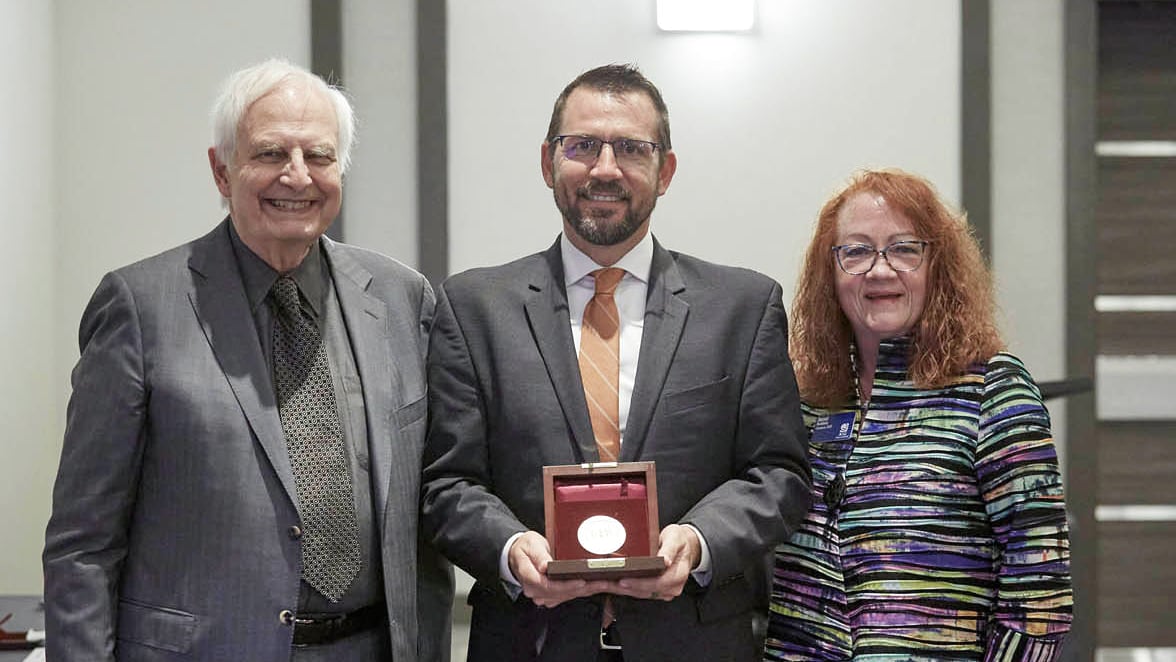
957	327
615	79
243	88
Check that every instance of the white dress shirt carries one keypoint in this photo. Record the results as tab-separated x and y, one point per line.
630	299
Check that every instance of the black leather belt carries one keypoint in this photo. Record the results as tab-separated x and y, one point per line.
317	629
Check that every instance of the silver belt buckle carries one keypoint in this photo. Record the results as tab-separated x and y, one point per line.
605	646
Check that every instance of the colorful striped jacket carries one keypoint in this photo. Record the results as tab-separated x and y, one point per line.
938	529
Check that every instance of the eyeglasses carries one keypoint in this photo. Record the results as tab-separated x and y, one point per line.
858	259
627	151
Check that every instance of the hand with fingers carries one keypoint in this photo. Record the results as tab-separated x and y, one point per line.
681	549
528	558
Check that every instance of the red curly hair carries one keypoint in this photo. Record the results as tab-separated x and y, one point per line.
958	325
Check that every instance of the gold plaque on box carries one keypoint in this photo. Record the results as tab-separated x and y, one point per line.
601	520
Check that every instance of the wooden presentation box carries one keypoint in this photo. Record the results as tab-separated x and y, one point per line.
601	520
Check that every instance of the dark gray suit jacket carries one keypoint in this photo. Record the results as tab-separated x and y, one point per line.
715	405
169	534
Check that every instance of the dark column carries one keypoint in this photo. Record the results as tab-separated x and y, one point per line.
432	142
976	120
326	60
1080	43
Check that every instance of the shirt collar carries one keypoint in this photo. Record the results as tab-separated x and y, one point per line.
637	262
259	276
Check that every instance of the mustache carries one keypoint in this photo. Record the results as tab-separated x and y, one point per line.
601	188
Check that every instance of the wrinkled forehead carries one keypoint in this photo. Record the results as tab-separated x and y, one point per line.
291	107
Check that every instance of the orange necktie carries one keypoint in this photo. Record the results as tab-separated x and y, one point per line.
600	363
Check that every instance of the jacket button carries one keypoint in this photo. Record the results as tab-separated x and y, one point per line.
295	532
286	617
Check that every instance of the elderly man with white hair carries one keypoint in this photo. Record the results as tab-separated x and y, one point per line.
240	473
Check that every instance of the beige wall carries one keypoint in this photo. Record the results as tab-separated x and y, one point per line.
765	124
105	132
27	429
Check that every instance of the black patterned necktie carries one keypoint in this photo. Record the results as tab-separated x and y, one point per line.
314	440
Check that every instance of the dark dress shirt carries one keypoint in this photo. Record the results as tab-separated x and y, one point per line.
313	277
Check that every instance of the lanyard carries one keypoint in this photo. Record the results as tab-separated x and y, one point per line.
835	491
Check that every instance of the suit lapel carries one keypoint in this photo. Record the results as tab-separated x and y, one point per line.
665	317
367	329
550	325
222	309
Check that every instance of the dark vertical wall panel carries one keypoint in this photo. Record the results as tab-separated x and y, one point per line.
1134	214
976	119
1136	95
1137	460
326	60
1080	44
432	141
1137	81
1138	580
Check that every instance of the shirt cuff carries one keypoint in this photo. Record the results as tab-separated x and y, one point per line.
509	583
701	574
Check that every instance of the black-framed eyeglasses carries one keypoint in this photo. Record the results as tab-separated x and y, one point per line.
858	259
626	151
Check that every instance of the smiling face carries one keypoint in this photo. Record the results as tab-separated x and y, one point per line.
882	303
283	185
605	207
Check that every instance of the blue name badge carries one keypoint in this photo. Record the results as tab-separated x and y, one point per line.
834	427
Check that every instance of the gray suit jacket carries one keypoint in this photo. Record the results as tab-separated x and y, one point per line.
715	405
174	498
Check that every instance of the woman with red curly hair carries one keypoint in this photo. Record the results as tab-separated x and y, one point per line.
938	529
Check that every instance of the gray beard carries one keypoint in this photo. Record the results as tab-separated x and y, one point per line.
604	234
599	232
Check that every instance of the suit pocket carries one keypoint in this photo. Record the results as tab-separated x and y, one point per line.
725	600
696	396
412	412
157	627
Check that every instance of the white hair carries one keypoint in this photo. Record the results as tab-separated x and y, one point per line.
243	88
